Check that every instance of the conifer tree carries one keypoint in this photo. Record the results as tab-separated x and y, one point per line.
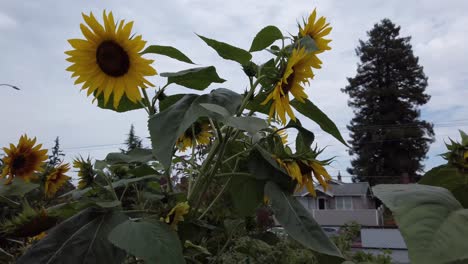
133	141
388	139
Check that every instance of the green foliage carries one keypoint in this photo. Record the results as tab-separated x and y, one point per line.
450	178
152	241
246	194
165	127
57	154
195	78
300	225
440	230
315	114
267	36
125	104
133	141
17	188
137	155
80	239
168	51
227	51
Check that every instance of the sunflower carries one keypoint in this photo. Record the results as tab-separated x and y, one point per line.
297	73
56	179
304	171
317	30
85	172
199	131
108	60
177	214
23	159
283	134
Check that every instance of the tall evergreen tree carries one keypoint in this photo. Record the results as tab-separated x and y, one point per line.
388	139
57	154
133	141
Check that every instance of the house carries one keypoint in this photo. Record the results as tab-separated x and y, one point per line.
342	203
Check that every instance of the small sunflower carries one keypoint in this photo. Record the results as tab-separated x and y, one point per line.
177	214
297	73
317	30
108	60
23	160
85	172
199	131
304	171
56	179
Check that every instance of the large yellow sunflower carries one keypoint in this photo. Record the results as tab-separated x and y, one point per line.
297	73
85	172
56	179
108	61
304	171
317	30
199	131
177	214
23	159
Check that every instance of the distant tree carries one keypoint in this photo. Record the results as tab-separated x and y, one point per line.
57	154
388	138
133	141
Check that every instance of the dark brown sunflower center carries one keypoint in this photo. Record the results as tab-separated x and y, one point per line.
197	128
286	87
112	58
305	169
18	162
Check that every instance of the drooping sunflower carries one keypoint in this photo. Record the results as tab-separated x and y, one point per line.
304	171
177	214
199	131
23	160
297	73
56	179
317	30
107	61
85	172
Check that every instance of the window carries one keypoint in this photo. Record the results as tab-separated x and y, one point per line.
321	204
344	203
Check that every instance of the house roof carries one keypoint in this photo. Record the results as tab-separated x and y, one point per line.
341	189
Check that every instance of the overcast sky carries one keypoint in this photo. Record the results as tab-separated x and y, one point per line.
34	37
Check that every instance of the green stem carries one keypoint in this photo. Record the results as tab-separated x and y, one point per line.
147	102
155	98
233	174
109	182
203	168
9	201
216	198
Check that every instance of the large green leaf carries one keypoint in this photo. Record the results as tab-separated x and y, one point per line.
165	127
227	51
304	137
195	78
265	38
450	178
169	100
247	123
246	194
17	187
78	240
314	113
124	105
167	51
432	222
134	156
154	242
263	167
300	225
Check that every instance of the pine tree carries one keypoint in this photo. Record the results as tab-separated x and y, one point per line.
133	141
388	139
57	154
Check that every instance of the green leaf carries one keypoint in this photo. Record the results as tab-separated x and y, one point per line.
431	220
79	239
6	257
304	138
247	123
227	51
133	156
256	104
246	194
195	78
125	104
165	127
262	168
167	51
315	114
450	178
109	204
169	100
143	170
265	38
154	242
300	225
18	187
